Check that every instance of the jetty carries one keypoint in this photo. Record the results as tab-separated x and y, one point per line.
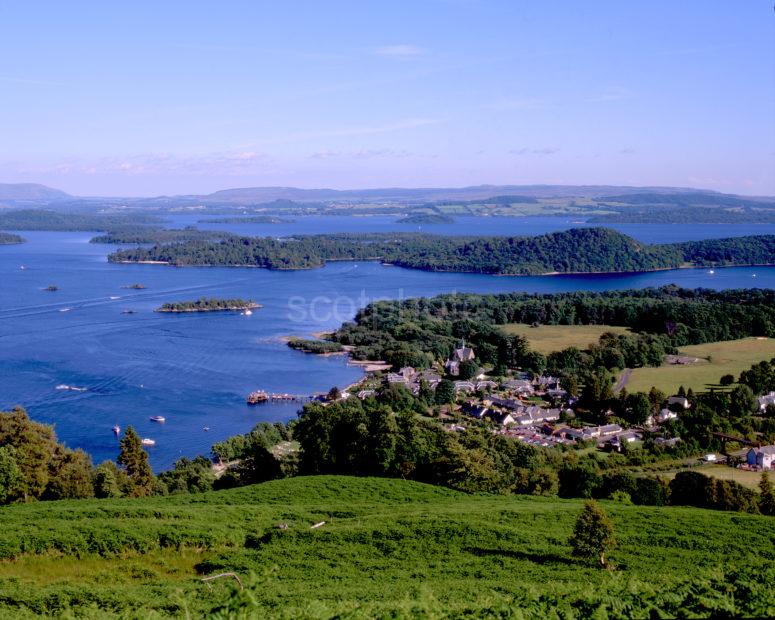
260	396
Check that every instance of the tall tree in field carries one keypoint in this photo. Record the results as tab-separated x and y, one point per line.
134	459
593	535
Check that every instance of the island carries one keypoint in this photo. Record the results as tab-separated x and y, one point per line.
137	286
578	250
209	304
426	218
10	238
51	288
247	219
137	235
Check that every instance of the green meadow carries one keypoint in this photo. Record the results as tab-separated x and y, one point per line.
388	549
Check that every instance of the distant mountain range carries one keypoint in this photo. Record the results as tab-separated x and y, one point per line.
29	192
32	194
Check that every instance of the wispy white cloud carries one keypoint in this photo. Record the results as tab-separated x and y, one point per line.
356	130
361	154
403	50
538	151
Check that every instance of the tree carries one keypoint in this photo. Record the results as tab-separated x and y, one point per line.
593	535
334	394
727	380
10	475
134	460
766	495
72	478
742	402
106	480
468	370
445	392
639	408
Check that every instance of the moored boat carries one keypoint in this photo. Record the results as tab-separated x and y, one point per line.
158	418
116	430
259	396
148	442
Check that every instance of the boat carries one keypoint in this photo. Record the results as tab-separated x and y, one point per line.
116	430
148	442
129	312
22	267
205	428
65	309
259	396
71	388
158	418
247	313
711	272
115	297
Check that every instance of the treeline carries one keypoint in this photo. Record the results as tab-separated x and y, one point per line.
42	219
577	250
420	331
315	346
247	219
145	234
35	466
10	238
207	304
426	218
684	215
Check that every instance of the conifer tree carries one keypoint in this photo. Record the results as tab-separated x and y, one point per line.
593	535
134	459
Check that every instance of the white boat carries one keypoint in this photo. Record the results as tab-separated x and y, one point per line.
247	313
205	428
158	418
72	388
116	430
65	309
115	297
22	267
148	442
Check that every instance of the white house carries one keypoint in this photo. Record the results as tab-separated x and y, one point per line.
763	457
766	400
681	401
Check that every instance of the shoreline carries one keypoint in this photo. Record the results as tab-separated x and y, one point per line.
483	273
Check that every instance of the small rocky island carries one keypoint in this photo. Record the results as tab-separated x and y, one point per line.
137	287
51	288
210	304
10	238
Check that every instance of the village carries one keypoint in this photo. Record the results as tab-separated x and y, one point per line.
537	409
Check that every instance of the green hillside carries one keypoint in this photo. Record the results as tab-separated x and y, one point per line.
389	548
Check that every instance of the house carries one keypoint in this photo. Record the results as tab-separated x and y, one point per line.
394	377
364	394
606	430
680	401
474	410
628	437
407	372
452	367
485	385
430	377
507	403
464	386
463	354
766	400
521	386
763	457
664	415
501	418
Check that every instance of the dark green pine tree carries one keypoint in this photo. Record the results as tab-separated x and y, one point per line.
134	459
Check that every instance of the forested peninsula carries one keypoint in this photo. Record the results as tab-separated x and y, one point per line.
579	250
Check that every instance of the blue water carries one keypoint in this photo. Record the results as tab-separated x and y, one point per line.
196	369
506	226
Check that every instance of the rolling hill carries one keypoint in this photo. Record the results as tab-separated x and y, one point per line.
387	548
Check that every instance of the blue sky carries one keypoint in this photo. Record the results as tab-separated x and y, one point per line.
148	98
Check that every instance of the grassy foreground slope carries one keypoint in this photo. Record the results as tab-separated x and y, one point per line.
389	548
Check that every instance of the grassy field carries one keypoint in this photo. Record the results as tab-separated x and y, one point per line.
716	359
548	338
749	479
388	549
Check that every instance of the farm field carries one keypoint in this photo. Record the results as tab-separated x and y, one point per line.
749	479
715	360
388	549
548	338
